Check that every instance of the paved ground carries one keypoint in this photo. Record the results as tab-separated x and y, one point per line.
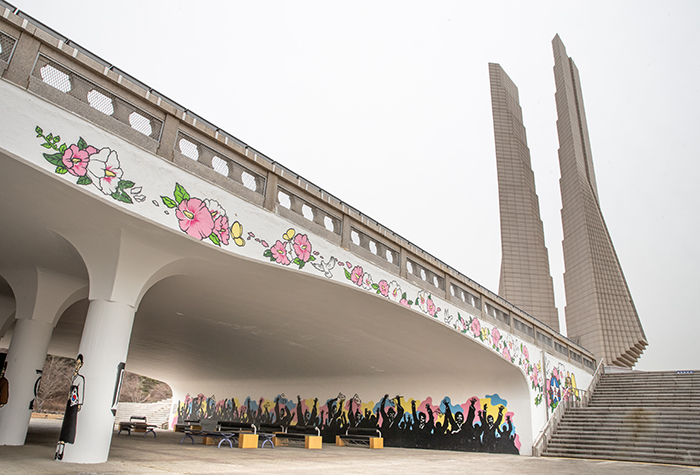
136	455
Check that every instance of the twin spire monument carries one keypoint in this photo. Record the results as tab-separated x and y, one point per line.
600	313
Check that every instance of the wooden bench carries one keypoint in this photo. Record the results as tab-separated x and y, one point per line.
266	432
244	433
309	434
366	437
188	424
137	424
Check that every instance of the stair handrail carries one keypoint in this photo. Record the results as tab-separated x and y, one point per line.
599	372
568	400
545	434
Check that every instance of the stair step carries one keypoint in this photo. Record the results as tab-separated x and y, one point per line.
642	430
606	439
651	457
662	410
617	451
644	417
633	418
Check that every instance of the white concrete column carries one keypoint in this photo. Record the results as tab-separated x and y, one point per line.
7	314
41	297
122	265
86	434
27	353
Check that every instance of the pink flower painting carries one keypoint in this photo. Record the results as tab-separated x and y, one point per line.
384	288
495	337
431	307
292	249
460	325
76	160
202	219
506	353
475	327
356	275
222	230
100	168
279	253
195	218
302	247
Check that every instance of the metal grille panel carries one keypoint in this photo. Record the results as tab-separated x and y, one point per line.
65	80
377	248
425	274
197	151
7	47
524	327
465	296
313	213
498	314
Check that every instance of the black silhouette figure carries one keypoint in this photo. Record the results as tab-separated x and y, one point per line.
73	406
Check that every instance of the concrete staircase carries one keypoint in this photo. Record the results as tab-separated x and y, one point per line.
635	416
157	413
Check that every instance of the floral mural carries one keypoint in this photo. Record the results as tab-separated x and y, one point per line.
476	425
206	219
294	249
203	218
560	384
92	166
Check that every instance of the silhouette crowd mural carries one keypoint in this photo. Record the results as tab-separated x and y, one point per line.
478	424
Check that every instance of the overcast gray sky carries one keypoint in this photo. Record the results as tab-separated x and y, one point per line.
386	105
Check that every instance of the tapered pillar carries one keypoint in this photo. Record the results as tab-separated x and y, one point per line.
104	347
600	312
27	353
122	266
525	278
7	313
41	298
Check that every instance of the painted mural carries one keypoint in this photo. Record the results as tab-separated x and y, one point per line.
206	218
559	384
4	385
73	406
213	216
92	166
37	385
203	219
476	425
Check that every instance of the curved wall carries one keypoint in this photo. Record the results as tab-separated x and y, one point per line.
141	184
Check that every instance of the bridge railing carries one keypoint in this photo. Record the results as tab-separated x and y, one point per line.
39	59
571	397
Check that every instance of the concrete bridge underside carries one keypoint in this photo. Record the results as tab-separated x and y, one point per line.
225	325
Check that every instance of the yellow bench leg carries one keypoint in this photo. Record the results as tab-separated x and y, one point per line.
313	442
376	443
248	441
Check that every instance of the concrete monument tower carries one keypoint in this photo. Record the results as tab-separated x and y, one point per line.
525	277
600	313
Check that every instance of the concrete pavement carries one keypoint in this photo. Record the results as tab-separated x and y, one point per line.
136	455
